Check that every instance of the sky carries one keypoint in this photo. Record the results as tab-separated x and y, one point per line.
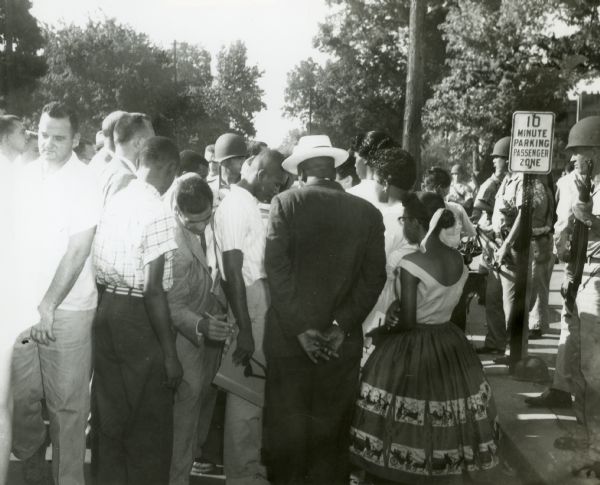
277	33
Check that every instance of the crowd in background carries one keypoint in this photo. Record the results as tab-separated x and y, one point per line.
152	267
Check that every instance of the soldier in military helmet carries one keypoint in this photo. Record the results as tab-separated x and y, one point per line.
231	153
582	204
495	339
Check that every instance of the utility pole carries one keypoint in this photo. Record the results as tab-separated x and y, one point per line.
412	128
310	111
175	61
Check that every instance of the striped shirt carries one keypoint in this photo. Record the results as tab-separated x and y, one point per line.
238	224
135	229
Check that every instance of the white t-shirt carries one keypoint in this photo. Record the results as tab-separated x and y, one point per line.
238	225
52	208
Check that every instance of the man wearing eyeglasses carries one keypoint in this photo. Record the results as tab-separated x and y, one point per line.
196	315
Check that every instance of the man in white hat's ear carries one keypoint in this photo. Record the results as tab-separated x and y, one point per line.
325	264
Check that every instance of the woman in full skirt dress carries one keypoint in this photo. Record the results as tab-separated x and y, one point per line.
425	410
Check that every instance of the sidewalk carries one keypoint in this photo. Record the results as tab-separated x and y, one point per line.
529	433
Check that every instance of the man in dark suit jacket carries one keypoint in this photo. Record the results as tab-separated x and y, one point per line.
325	264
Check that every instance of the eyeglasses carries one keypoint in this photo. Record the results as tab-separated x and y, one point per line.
406	218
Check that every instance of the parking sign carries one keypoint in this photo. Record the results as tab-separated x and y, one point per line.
531	142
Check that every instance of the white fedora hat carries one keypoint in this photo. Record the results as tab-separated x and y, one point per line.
313	146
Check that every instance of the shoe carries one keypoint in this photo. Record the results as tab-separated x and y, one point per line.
35	468
535	334
202	467
488	350
550	398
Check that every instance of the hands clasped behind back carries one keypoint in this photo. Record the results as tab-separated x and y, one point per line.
320	345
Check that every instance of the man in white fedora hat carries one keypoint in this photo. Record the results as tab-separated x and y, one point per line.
325	264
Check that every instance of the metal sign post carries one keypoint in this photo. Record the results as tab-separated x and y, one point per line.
530	154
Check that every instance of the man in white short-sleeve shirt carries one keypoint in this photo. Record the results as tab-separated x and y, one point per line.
240	245
59	207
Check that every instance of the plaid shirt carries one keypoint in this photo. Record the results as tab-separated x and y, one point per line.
135	229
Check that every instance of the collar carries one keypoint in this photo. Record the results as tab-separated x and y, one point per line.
63	169
146	187
330	184
128	163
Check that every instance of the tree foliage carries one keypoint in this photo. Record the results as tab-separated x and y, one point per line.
106	66
361	87
501	58
20	62
484	60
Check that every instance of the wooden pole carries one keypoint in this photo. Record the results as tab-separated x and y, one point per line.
411	130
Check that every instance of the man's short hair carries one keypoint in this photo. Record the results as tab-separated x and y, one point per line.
192	194
157	151
191	161
60	111
108	125
128	125
436	177
396	166
7	124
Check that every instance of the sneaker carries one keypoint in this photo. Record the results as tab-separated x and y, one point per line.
550	398
35	468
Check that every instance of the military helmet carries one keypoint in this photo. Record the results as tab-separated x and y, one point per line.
230	145
585	133
531	369
502	147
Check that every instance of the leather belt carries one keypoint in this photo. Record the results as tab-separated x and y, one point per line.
118	290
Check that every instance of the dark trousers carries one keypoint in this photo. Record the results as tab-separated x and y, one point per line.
308	412
132	408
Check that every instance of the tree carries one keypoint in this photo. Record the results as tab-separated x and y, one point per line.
503	57
106	66
411	134
237	94
20	62
362	85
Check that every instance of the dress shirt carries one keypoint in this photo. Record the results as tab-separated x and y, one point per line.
115	176
459	193
135	229
53	206
366	190
238	224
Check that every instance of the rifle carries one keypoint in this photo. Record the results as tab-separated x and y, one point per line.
579	243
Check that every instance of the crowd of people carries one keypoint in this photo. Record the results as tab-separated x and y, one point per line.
135	277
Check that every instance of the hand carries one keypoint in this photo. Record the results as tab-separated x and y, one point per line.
174	372
583	212
42	332
244	348
335	336
392	315
215	327
313	342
